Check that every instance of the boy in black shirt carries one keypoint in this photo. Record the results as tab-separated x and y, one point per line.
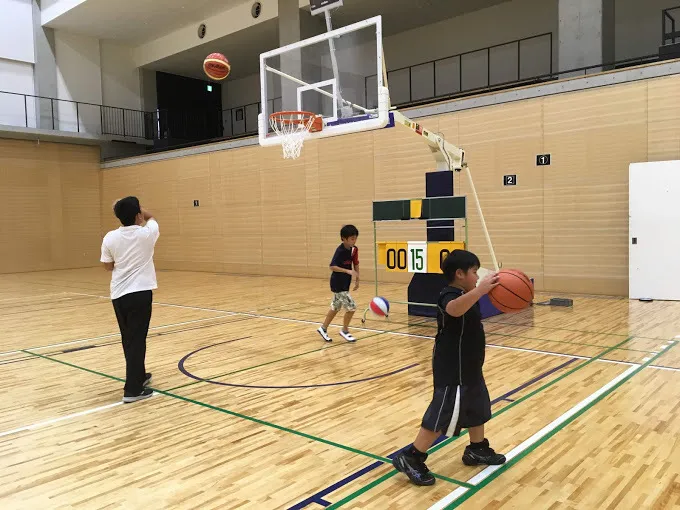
345	266
460	399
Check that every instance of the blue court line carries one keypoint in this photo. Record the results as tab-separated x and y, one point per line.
318	497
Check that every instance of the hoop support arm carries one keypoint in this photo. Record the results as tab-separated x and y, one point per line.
448	157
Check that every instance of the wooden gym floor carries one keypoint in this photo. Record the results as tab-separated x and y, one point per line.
253	410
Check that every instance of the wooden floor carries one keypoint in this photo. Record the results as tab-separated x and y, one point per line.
253	410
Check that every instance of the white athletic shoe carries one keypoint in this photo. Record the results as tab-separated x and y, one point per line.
347	336
324	334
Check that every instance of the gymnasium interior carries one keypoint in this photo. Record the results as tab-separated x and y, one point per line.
542	135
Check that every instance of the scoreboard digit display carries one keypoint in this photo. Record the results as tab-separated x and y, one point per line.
415	256
394	256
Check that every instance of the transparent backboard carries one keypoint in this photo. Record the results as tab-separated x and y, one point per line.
338	75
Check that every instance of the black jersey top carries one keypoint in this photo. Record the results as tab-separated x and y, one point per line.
459	346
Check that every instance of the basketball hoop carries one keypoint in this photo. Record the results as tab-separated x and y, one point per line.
293	127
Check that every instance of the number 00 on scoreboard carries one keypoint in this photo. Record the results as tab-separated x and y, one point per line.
415	256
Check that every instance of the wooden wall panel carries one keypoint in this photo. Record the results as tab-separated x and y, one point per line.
346	191
284	213
504	140
564	224
317	256
593	137
663	111
49	206
240	227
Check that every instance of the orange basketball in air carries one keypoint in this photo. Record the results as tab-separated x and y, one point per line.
216	66
514	292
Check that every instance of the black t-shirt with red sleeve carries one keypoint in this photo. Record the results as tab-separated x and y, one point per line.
344	258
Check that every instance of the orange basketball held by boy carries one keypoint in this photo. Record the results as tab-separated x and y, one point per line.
216	66
514	292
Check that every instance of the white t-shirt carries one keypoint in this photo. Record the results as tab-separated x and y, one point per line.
131	250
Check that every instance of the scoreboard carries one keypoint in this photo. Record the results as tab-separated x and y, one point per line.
415	256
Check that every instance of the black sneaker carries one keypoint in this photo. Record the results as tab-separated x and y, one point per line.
483	455
146	393
147	379
414	468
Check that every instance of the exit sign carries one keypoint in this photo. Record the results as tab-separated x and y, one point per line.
209	87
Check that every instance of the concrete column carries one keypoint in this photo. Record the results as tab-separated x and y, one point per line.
44	70
289	32
586	33
149	96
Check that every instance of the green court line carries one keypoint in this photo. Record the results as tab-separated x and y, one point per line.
565	342
245	417
575	330
282	359
153	333
464	432
540	389
73	366
505	467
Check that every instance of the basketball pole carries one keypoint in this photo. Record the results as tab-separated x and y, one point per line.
449	157
334	62
481	218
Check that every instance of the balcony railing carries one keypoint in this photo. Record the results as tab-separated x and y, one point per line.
74	116
499	67
669	33
513	61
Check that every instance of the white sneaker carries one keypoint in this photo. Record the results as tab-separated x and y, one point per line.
347	336
324	334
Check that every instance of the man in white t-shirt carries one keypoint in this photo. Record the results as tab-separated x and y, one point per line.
128	253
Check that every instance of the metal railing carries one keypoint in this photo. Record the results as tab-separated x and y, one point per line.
26	110
500	67
547	77
669	34
513	61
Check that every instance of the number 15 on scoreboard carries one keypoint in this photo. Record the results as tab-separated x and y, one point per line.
417	257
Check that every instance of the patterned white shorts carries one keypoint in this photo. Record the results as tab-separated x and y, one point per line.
343	299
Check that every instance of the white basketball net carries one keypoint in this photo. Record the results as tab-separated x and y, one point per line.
293	128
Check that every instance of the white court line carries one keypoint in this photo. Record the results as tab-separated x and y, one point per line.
56	420
110	335
485	473
37	296
396	333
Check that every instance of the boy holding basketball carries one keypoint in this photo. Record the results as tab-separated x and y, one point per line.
344	267
460	398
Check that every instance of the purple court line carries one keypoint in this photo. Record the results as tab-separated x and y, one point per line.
318	497
182	369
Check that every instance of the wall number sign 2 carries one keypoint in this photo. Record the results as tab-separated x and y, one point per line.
509	180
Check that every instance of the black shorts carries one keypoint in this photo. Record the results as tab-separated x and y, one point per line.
443	415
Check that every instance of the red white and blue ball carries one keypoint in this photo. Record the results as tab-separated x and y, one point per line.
380	306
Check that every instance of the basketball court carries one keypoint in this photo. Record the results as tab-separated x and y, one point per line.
253	410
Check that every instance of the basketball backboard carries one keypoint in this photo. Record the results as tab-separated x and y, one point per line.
337	75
